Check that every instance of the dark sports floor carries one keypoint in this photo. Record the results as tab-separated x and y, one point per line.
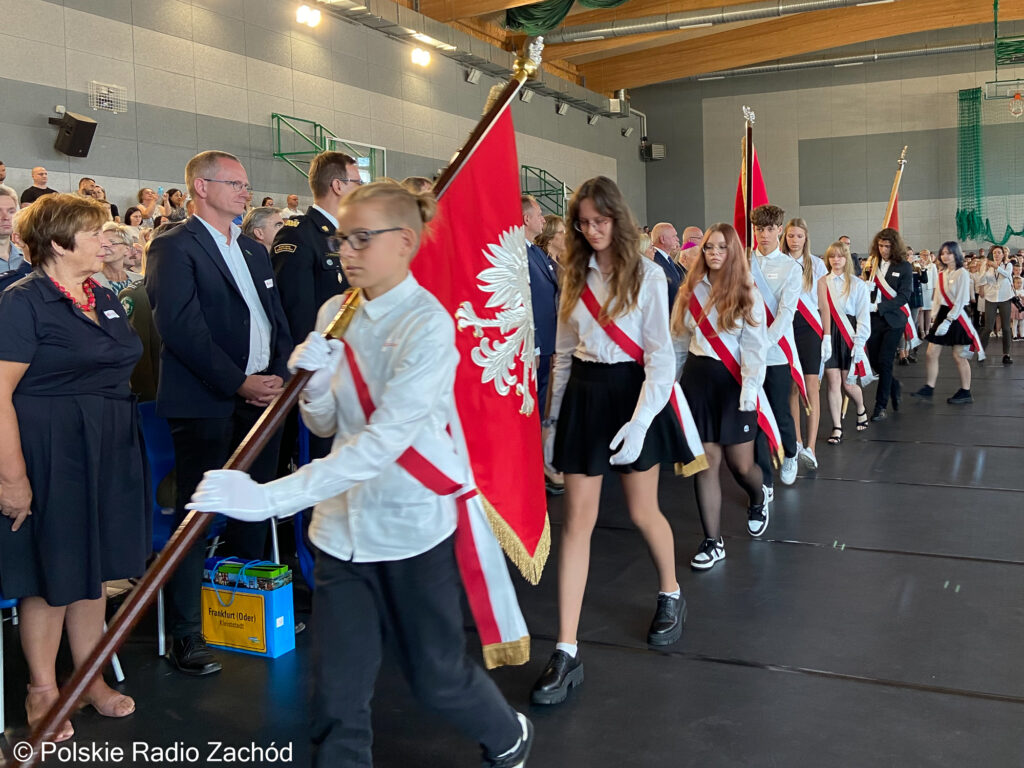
880	623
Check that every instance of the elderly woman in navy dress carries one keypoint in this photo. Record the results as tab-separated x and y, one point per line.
66	417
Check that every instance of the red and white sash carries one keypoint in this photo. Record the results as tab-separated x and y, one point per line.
860	369
786	342
910	330
491	596
696	461
727	349
810	314
965	322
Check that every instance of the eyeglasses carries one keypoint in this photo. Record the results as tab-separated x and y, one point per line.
357	181
238	186
712	247
582	225
358	240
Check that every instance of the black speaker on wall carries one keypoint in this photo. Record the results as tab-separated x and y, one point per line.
74	134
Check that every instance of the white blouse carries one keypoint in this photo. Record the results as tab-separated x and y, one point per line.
818	271
857	304
647	325
958	286
752	341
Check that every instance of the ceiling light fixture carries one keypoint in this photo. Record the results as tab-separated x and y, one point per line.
561	107
308	16
473	76
526	95
420	56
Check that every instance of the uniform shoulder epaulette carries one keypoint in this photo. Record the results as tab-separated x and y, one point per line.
293	222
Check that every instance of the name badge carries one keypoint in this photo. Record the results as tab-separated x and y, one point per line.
269	283
110	314
772	275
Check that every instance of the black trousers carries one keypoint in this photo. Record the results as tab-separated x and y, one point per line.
199	445
543	376
414	605
881	349
778	381
992	308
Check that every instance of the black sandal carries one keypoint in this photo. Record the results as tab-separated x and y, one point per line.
835	439
862	421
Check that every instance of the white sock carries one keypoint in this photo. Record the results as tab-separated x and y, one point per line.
569	648
676	593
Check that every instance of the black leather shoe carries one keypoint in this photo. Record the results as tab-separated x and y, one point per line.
896	394
1007	360
879	414
667	625
192	656
562	673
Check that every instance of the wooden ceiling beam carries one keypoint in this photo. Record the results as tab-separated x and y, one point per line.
450	10
787	37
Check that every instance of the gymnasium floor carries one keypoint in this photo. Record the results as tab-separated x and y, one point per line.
880	623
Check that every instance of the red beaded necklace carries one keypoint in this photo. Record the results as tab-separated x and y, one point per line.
90	298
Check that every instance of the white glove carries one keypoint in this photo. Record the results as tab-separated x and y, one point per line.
631	437
549	445
320	356
826	347
748	405
943	328
234	494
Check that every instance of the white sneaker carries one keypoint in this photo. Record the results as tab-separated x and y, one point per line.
806	455
788	473
769	494
710	552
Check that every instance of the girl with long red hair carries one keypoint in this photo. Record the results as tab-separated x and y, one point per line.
719	318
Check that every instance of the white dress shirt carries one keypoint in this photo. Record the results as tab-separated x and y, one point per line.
875	291
290	213
647	325
259	324
782	273
998	282
856	304
368	508
818	271
752	340
928	289
958	288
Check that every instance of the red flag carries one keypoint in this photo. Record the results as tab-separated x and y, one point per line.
759	193
474	262
894	219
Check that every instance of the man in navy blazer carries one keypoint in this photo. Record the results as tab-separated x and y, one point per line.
666	251
225	345
544	297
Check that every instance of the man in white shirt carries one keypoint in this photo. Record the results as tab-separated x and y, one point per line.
292	209
996	280
778	278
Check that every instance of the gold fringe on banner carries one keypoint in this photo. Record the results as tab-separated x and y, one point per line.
531	566
697	465
510	653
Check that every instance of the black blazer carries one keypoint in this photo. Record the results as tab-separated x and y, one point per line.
901	279
203	321
308	273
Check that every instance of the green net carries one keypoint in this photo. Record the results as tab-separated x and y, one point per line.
990	157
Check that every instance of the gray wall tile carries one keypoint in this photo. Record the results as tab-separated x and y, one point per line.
232	8
312	59
384	80
28	104
168	126
218	31
269	46
121	10
26	146
349	70
119	126
217	133
158	161
349	39
168	16
418	90
108	156
270	14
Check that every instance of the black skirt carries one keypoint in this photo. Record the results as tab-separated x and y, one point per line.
842	355
808	345
955	336
714	398
599	399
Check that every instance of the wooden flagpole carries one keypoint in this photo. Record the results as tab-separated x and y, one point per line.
892	204
193	526
748	177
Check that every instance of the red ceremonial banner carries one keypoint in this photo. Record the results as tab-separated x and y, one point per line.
760	197
475	263
894	219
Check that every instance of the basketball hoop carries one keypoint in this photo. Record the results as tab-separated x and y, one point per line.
1017	105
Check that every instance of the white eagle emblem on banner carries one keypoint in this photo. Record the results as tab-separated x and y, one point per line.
508	282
